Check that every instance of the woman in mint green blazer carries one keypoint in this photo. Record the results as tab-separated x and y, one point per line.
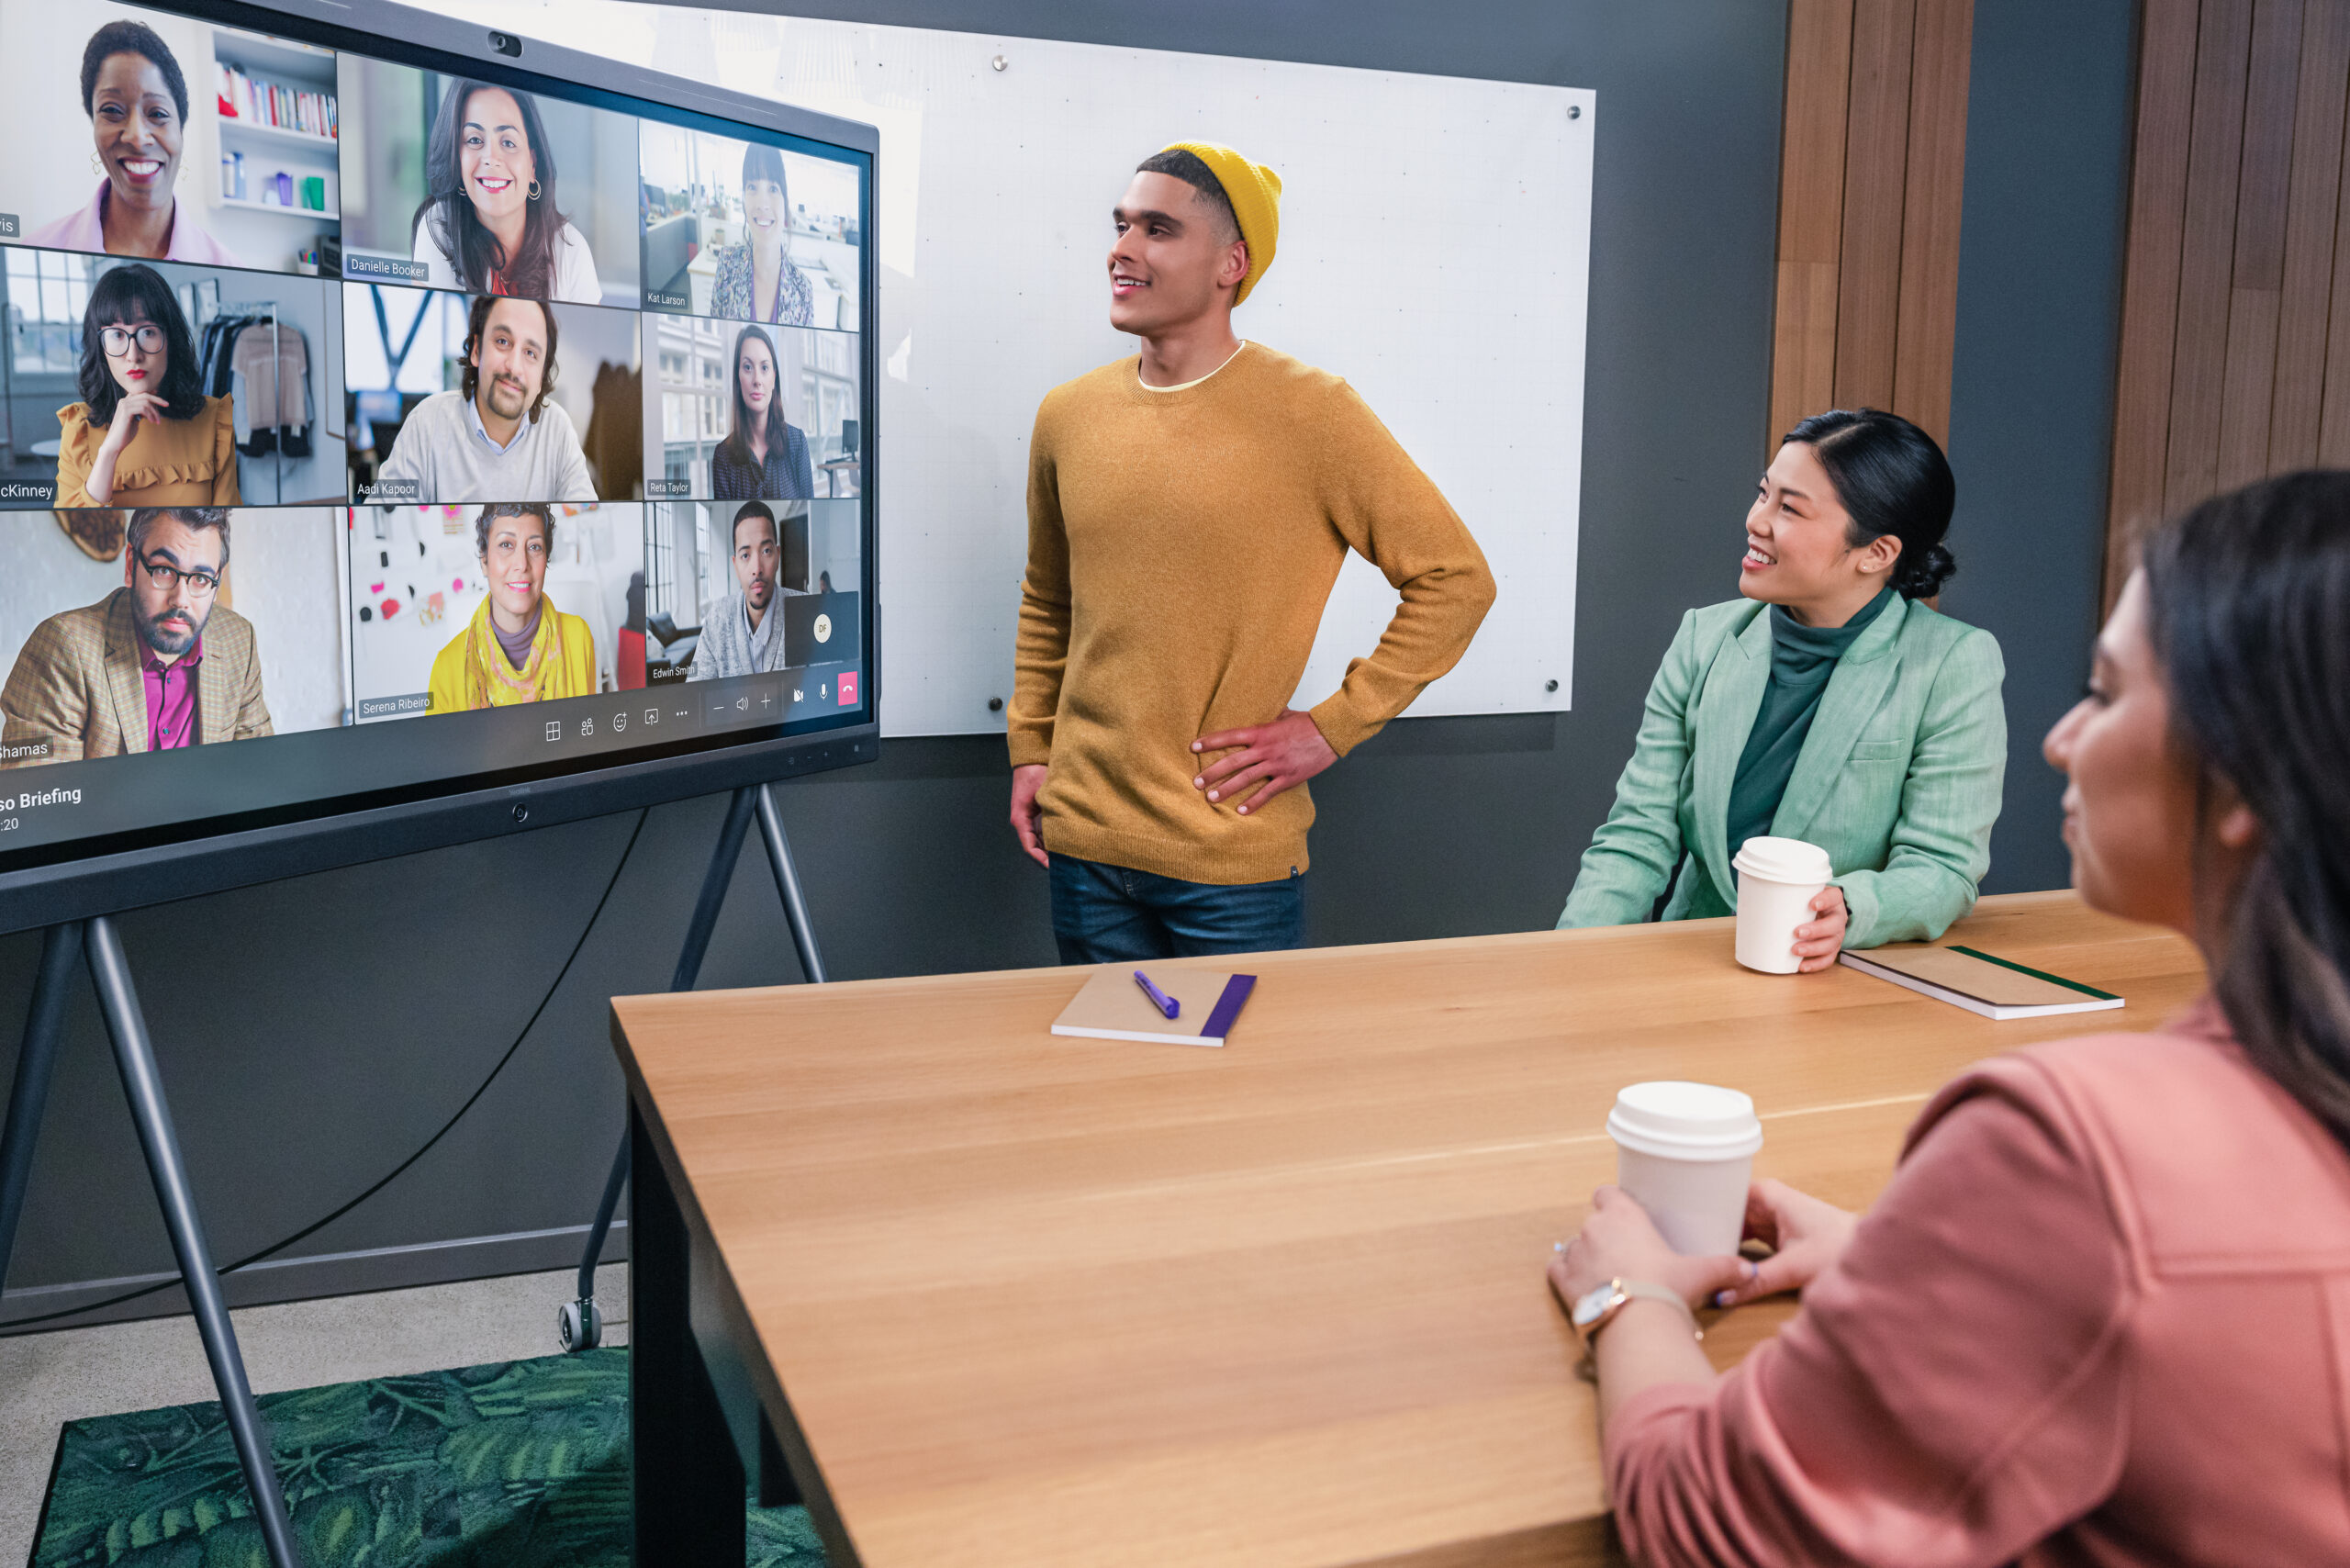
1826	704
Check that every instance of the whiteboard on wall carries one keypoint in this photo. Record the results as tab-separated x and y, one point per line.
1435	251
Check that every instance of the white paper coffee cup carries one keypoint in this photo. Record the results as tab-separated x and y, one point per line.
1777	880
1686	1151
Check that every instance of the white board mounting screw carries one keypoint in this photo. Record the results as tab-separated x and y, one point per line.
1550	686
1574	111
998	62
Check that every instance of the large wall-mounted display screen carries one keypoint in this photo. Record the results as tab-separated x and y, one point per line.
378	424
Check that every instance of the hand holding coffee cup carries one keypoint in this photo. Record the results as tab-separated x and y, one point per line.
1790	917
1687	1152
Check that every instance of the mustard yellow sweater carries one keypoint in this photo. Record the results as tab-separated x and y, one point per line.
1181	545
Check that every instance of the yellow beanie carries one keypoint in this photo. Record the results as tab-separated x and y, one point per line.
1255	192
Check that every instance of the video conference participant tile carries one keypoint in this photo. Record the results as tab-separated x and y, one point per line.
543	401
195	143
152	630
747	232
514	194
738	411
723	579
459	608
177	385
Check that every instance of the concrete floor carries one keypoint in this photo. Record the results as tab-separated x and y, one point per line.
49	1379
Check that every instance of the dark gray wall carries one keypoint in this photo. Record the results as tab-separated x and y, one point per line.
312	1033
2048	132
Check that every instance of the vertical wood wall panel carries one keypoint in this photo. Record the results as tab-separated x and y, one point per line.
1811	209
2248	393
2309	215
1868	286
2333	429
2235	335
1871	176
1931	201
2206	261
2150	286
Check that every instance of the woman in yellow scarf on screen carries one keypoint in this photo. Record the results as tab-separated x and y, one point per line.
519	647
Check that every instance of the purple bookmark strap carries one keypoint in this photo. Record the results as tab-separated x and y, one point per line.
1227	1006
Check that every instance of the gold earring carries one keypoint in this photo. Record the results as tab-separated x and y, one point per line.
534	190
98	166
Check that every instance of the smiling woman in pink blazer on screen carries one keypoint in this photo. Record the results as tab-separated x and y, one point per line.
2102	1313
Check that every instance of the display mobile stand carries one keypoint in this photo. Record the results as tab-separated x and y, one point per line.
96	940
579	1325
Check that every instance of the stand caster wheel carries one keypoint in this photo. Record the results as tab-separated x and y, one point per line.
581	1326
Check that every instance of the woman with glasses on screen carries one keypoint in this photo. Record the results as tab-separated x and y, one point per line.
763	458
137	100
518	647
488	222
756	280
144	434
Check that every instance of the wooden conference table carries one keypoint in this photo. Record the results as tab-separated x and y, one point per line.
992	1297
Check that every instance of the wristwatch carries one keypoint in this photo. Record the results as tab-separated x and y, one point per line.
1598	1309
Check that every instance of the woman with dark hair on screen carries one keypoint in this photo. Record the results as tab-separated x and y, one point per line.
144	434
1826	704
2099	1315
518	647
762	458
137	100
488	222
756	280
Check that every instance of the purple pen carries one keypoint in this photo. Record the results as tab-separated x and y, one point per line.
1158	997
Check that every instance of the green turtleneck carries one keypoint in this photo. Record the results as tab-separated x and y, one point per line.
1802	659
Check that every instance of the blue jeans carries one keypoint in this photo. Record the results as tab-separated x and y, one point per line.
1105	914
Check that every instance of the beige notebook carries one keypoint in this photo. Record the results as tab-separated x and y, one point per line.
1996	987
1113	1007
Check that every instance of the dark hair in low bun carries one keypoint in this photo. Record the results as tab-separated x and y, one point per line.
1893	480
2248	609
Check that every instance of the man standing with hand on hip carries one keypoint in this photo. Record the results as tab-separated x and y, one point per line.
1188	512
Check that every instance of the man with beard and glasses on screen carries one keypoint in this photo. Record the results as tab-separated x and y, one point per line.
157	665
502	437
745	636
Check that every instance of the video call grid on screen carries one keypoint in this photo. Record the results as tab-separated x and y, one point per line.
625	343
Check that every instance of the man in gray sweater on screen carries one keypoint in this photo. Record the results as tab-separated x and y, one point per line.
743	635
501	438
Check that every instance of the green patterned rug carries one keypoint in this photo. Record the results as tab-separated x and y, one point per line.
522	1465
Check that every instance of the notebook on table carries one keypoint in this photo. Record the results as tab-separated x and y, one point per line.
1113	1007
1964	977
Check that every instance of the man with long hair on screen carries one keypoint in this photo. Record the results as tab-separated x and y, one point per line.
1188	513
157	665
501	434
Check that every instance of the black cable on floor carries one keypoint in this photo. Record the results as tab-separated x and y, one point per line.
424	1148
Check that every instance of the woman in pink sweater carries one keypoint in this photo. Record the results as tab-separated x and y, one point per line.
2102	1313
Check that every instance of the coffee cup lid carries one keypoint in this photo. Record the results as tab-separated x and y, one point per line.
1783	860
1684	1121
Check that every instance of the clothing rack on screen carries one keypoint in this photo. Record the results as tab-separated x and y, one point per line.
246	338
95	943
579	1326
